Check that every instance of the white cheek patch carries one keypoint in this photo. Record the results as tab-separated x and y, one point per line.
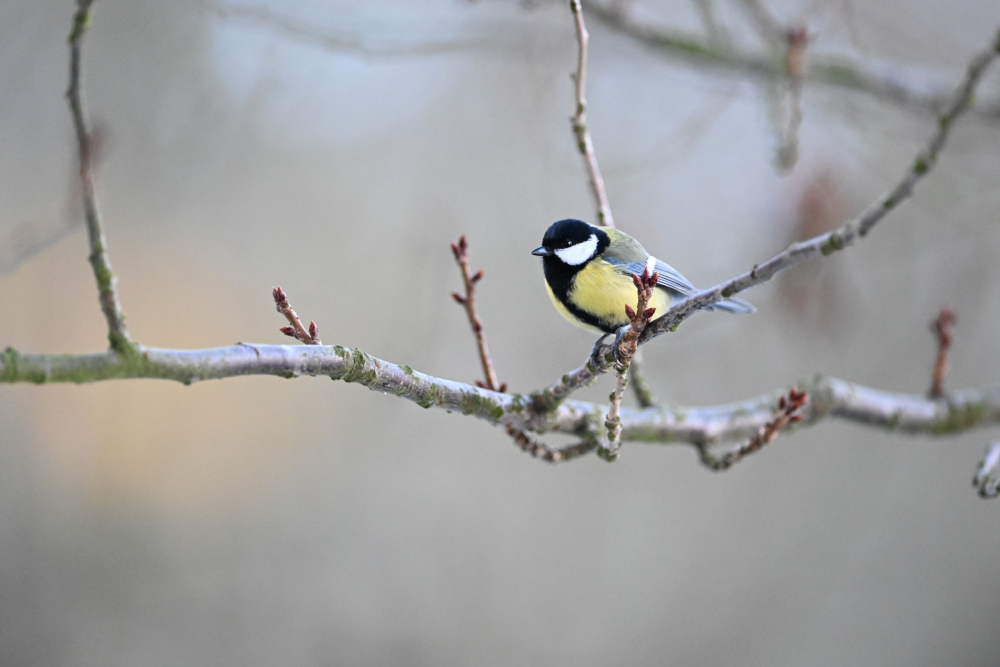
579	253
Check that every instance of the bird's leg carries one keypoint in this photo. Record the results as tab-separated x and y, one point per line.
618	339
594	353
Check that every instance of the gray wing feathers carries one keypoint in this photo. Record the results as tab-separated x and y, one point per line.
672	280
678	284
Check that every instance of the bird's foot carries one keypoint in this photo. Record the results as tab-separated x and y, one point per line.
595	354
618	339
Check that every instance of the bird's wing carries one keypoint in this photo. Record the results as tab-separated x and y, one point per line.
672	280
669	277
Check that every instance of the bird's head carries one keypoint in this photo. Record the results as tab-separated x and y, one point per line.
572	242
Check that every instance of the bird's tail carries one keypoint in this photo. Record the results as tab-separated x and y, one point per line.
737	306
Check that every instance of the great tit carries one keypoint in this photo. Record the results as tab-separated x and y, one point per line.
588	273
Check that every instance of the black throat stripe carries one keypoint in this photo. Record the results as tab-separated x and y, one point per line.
560	277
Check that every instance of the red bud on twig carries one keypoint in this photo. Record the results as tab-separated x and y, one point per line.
459	298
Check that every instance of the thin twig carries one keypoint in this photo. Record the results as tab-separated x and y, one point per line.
107	282
764	22
333	39
297	330
538	449
521	436
627	346
579	121
468	302
942	331
637	380
706	12
850	231
789	412
52	224
795	39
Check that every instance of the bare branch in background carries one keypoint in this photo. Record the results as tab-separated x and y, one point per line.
33	236
789	412
828	70
107	282
339	41
297	330
768	28
579	120
850	231
706	12
942	331
54	223
790	99
637	380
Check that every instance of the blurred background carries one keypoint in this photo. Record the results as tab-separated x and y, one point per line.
327	146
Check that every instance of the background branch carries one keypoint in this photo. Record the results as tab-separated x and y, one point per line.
830	71
107	282
579	120
852	230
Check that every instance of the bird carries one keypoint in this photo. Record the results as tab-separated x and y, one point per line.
588	274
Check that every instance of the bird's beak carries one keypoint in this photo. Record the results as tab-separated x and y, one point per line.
541	252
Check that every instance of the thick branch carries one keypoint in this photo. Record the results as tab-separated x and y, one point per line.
107	283
829	397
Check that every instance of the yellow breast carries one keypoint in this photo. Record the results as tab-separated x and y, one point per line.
599	289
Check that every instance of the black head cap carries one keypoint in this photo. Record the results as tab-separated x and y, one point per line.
566	233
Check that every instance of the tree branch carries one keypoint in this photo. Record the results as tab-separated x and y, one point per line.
831	71
789	412
468	302
297	330
850	231
829	397
107	282
626	346
579	121
942	332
